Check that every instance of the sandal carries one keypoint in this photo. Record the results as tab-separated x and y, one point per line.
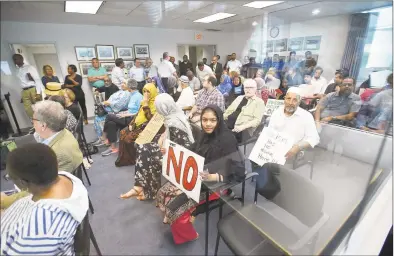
131	194
141	197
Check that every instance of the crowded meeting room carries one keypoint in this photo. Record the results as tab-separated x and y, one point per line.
196	127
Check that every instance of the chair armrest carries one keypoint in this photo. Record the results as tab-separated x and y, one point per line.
311	232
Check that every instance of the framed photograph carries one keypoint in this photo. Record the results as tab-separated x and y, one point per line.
141	51
312	43
105	52
84	67
280	45
128	64
126	53
295	44
85	53
108	66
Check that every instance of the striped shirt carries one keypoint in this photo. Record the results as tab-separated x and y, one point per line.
45	227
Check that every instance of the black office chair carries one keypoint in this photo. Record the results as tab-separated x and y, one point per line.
80	136
299	200
82	238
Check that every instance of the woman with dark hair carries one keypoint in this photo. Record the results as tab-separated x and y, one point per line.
219	148
281	92
48	75
237	89
73	81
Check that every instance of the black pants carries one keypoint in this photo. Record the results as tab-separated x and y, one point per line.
112	124
141	86
82	103
164	81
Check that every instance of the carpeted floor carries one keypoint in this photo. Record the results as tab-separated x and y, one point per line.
131	227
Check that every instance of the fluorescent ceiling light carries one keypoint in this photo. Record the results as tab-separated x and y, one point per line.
316	12
262	4
215	17
90	7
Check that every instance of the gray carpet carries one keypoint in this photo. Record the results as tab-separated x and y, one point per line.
131	227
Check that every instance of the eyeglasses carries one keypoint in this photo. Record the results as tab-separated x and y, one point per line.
347	85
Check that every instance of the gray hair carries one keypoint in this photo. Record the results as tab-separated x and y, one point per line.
132	84
51	113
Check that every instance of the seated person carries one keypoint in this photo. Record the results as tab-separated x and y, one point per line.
127	98
71	104
71	121
49	122
149	163
281	92
225	85
194	82
245	113
186	98
29	225
217	145
294	77
109	88
236	90
334	87
209	95
128	135
319	82
339	107
294	121
271	79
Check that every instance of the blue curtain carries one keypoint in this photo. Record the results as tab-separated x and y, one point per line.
355	43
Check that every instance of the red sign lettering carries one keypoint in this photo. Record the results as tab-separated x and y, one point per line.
190	164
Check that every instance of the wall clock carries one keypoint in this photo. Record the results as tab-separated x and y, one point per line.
274	32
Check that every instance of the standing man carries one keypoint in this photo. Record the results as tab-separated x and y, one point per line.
165	70
185	66
202	71
234	64
30	82
118	75
150	69
137	73
217	68
204	60
96	76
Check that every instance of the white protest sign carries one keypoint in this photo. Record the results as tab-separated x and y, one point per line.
272	105
182	167
271	147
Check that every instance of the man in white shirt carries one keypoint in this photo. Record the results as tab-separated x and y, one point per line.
319	82
118	76
234	64
137	73
203	70
165	70
194	82
150	69
186	100
30	82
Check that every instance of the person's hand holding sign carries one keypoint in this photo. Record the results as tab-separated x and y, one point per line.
206	176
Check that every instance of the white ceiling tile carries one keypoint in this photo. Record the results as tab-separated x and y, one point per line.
130	5
47	6
116	12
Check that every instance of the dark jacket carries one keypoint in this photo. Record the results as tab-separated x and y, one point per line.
184	67
218	71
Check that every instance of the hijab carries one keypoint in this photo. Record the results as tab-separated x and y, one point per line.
141	118
218	144
238	89
226	86
173	115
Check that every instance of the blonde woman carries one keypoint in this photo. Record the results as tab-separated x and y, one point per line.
71	104
48	75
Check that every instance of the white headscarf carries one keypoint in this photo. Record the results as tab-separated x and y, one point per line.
173	115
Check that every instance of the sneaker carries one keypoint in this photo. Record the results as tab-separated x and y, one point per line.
98	143
109	151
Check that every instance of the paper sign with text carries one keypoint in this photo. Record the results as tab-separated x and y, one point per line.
271	147
272	105
150	131
182	167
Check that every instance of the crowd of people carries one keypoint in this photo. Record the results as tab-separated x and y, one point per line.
225	103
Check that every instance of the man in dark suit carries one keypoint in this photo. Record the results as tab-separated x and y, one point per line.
217	68
185	66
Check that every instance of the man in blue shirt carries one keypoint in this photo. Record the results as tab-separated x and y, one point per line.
96	75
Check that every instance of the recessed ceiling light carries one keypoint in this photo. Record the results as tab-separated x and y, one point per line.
215	17
90	7
315	12
254	23
262	4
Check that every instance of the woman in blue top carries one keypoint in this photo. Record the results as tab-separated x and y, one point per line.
237	89
48	76
225	87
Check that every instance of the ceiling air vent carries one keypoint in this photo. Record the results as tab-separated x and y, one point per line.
213	30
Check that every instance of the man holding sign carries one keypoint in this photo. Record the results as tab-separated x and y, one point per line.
288	123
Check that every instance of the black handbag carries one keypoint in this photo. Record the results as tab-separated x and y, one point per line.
100	110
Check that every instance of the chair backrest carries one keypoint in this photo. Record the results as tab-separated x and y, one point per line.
82	237
299	196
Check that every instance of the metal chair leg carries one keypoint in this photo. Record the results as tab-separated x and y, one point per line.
91	206
94	241
218	235
243	194
86	175
206	223
84	142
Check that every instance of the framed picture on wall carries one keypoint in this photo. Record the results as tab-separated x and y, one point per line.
141	51
105	52
108	66
126	53
280	45
128	64
312	43
84	67
85	53
295	44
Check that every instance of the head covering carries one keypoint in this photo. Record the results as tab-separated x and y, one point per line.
218	144
225	86
141	118
238	89
184	79
172	82
53	88
295	90
173	115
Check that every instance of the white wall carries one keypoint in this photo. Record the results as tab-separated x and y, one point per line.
67	36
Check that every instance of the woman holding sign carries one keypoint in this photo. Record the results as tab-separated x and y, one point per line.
218	146
128	135
149	157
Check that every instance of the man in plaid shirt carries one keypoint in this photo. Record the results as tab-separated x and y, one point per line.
209	95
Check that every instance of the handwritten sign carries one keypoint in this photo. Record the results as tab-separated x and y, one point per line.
150	130
182	167
272	105
271	147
